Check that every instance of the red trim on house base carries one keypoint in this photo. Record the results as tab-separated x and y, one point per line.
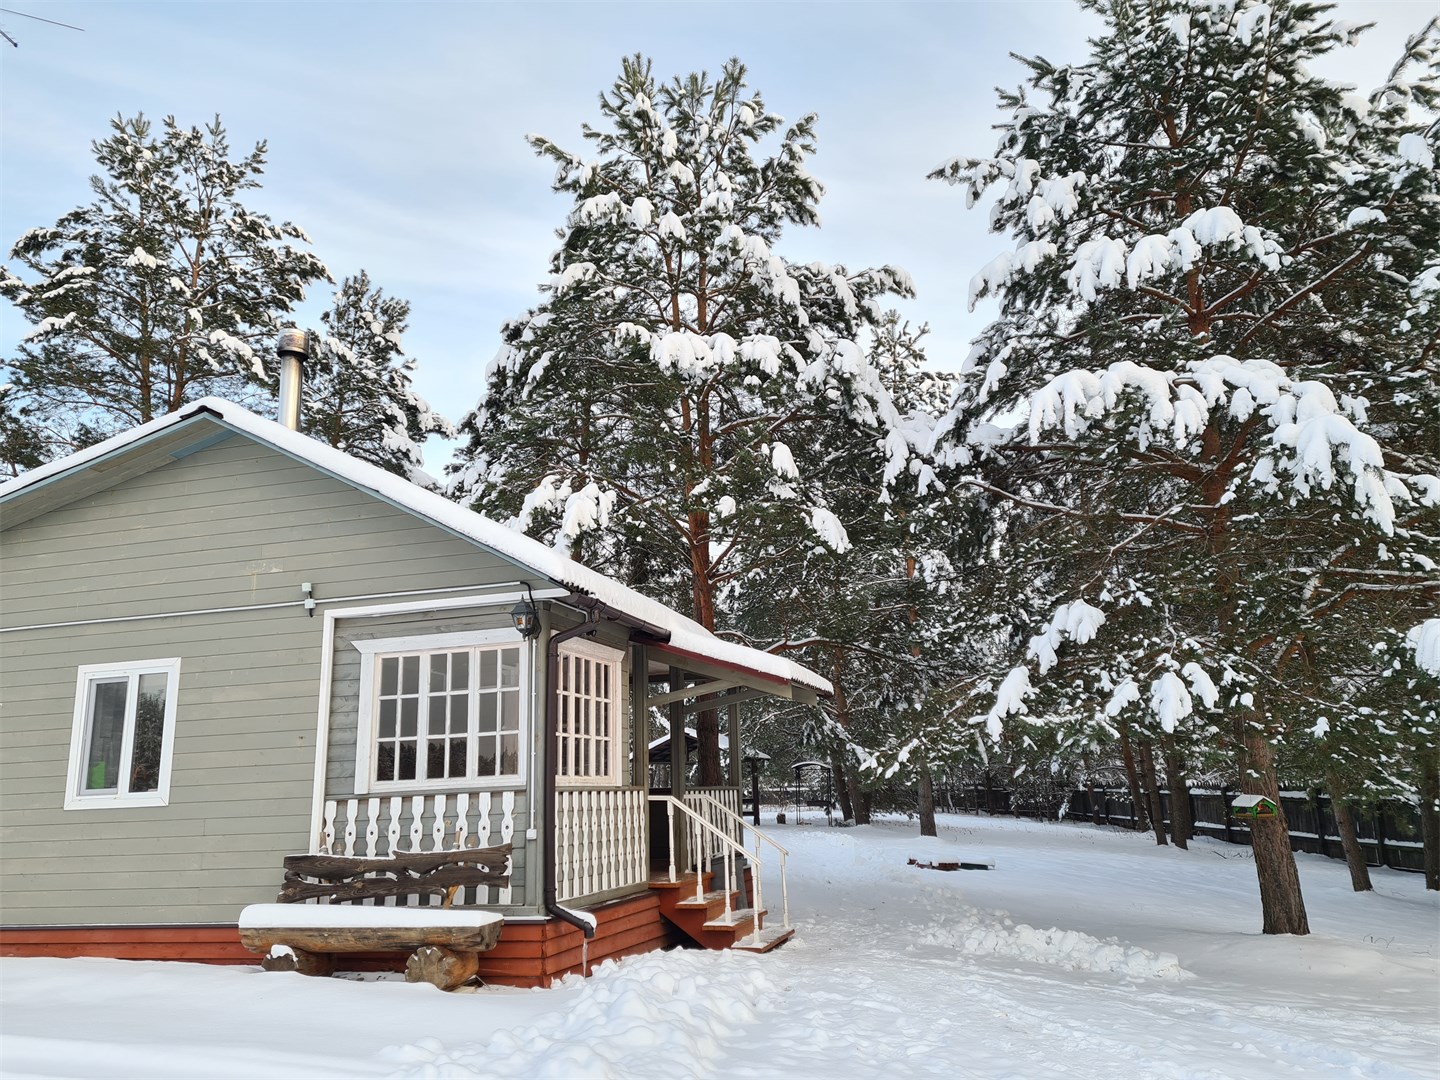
528	954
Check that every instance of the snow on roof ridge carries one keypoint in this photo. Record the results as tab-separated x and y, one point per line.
685	633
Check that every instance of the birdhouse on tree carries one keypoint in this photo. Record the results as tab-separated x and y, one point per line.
1254	807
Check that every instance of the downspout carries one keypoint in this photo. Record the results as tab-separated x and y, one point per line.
594	609
552	754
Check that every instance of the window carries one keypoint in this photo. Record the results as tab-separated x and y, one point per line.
441	710
589	707
121	740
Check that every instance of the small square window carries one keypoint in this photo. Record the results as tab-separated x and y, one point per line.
122	735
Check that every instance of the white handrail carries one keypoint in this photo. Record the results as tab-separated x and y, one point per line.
759	836
732	848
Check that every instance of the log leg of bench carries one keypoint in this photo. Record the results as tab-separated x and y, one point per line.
288	958
441	967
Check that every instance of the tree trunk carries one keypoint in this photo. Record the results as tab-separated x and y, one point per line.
1137	805
862	804
707	729
1281	904
1430	815
1182	825
842	790
1152	790
1349	841
927	801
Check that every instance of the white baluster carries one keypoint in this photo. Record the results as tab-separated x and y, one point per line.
392	833
482	838
352	807
372	826
462	820
437	828
417	817
327	832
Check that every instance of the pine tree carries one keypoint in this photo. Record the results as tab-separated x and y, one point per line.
664	412
1216	309
357	394
160	290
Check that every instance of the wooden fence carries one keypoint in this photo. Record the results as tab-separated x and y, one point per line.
1389	832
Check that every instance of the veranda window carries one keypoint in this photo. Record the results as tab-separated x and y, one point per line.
450	712
589	713
123	730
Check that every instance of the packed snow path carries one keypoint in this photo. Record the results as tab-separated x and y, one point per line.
1086	953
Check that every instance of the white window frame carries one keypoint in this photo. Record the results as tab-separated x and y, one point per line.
619	758
76	797
373	650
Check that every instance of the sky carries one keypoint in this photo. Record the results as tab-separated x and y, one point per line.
396	131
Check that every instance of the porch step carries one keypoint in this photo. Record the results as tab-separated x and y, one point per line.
770	938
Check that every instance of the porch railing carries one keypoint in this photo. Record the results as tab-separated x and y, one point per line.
599	840
382	826
711	827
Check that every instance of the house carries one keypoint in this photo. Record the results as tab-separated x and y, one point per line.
226	644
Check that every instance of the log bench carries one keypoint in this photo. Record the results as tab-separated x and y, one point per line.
444	943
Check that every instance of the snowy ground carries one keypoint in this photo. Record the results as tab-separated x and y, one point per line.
1156	970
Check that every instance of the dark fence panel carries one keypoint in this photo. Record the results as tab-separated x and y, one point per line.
1389	833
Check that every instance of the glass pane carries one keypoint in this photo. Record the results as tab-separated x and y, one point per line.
149	732
509	667
487	713
488	667
406	767
389	676
485	766
409	716
510	711
410	674
459	713
439	668
564	673
459	670
585	682
437	714
385	762
107	730
509	754
457	757
564	714
387	719
435	760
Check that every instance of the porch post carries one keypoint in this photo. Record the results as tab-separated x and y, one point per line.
735	762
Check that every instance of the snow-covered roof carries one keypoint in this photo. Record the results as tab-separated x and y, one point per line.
1243	801
684	633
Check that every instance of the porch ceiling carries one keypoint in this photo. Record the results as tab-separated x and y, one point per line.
716	684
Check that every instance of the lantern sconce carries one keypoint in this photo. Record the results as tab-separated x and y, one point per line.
527	619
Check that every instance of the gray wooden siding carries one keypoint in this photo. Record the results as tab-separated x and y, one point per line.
236	524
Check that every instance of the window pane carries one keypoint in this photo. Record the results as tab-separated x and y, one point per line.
410	674
459	670
406	768
487	713
509	754
485	766
439	670
488	666
457	757
509	667
459	713
389	676
409	716
107	730
437	714
435	760
385	762
387	719
149	733
510	711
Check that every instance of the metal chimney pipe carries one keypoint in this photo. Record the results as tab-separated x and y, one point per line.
293	348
